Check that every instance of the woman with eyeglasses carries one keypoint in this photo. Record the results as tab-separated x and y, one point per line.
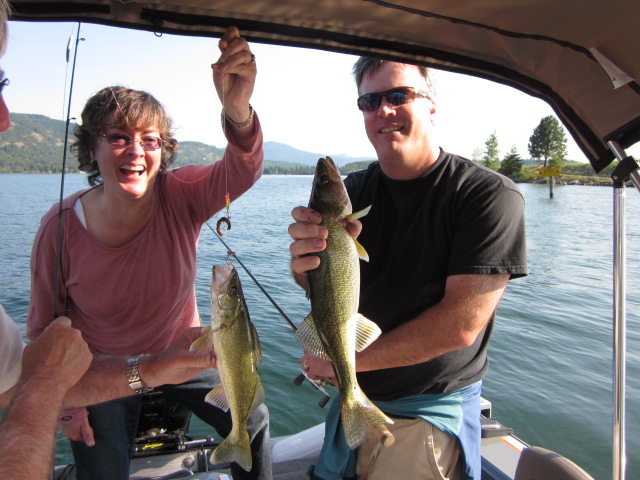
127	263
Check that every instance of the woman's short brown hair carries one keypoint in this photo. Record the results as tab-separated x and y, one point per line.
126	109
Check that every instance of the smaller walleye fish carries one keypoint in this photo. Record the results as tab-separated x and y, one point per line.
334	330
238	355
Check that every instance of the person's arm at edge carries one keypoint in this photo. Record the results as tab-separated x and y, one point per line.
51	365
29	425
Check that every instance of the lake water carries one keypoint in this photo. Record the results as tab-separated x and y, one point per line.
551	354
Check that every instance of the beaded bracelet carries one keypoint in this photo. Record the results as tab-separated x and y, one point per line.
242	124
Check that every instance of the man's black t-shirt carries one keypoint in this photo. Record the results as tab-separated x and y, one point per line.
460	218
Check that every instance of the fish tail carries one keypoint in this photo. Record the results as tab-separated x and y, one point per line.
357	415
235	448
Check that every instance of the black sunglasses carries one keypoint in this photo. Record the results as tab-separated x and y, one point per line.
3	83
370	102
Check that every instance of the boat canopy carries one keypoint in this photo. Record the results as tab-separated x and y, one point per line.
580	56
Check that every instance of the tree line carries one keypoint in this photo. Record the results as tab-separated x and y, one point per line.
547	145
35	144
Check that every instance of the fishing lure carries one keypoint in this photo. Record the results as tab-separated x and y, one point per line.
226	220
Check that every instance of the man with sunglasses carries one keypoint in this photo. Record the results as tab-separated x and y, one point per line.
444	235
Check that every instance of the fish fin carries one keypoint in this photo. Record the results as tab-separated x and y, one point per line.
259	396
235	448
356	415
366	332
358	214
255	341
307	336
362	253
204	342
218	398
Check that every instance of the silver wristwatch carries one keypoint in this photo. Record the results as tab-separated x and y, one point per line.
133	375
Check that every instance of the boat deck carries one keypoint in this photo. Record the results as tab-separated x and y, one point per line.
292	457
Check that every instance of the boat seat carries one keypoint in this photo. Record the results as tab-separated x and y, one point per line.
537	463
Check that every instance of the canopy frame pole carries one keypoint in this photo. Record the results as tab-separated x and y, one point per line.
627	169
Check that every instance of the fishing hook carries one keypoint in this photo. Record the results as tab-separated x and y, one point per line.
224	220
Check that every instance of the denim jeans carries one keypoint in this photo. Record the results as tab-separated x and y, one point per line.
115	423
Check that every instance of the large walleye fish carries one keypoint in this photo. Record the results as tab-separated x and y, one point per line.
238	355
334	330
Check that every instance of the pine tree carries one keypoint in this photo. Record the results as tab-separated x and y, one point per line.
511	165
491	157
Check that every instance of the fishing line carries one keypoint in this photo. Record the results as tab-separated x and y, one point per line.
56	286
217	233
231	253
227	199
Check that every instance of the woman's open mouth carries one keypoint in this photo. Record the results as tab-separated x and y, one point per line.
132	170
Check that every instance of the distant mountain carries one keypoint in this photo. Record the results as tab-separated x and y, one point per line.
196	153
281	152
34	144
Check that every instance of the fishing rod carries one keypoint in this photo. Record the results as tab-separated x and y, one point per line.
317	384
56	285
255	280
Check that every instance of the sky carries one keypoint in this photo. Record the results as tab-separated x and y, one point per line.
305	98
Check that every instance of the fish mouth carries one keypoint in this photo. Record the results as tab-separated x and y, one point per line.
133	170
226	280
328	193
326	172
326	167
222	274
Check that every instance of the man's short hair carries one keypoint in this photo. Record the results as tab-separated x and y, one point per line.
366	66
